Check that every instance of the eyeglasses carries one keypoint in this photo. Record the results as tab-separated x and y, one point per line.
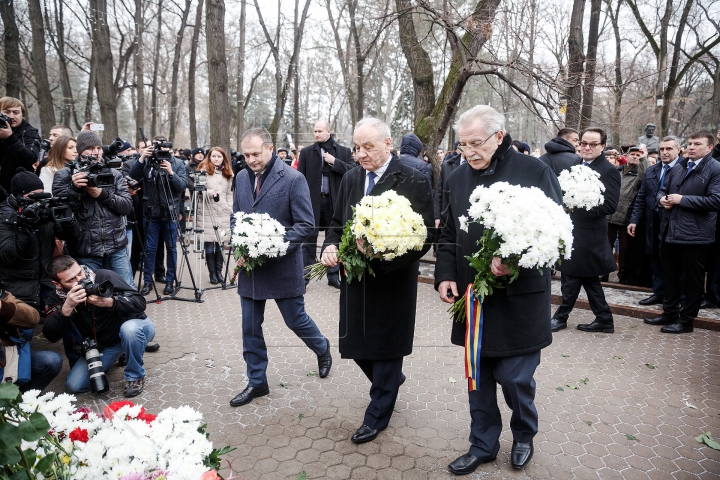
474	145
591	145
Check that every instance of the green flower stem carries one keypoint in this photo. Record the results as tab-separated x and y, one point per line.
25	462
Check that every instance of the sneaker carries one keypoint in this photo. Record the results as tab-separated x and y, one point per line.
134	388
152	347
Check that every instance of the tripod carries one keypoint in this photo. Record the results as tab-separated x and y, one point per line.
132	220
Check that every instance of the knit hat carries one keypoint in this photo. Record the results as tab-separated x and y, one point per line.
87	139
187	152
196	151
25	182
126	146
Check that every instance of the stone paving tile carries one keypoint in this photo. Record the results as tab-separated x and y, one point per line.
304	425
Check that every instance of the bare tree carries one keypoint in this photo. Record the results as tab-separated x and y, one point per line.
590	64
156	65
419	62
241	76
191	73
576	60
176	68
42	84
217	74
139	68
68	114
13	68
104	61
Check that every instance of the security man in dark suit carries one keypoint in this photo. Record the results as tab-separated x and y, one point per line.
592	255
323	164
691	199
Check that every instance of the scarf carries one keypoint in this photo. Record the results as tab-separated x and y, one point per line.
88	273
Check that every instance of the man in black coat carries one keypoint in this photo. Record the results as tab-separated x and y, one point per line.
377	313
648	211
449	164
560	151
591	255
17	140
691	199
323	164
410	147
516	318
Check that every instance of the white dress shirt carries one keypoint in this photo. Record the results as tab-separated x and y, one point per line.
379	172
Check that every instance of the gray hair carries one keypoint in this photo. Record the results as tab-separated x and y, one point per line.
263	134
491	119
672	138
380	126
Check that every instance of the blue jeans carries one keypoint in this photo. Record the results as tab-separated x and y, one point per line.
134	337
128	248
118	262
152	227
44	367
211	247
254	348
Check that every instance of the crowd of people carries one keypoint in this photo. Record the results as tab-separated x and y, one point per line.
69	217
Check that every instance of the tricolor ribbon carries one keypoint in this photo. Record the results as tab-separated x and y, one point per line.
473	337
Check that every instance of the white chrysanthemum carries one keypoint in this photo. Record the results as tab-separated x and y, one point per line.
581	188
258	235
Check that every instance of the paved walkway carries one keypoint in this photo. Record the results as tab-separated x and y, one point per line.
626	405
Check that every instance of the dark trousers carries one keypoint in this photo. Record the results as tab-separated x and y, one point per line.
570	285
515	377
385	378
254	348
683	271
712	281
657	279
619	232
310	245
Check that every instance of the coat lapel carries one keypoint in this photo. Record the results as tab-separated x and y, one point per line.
388	179
271	180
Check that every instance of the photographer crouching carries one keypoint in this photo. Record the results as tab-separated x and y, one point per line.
104	315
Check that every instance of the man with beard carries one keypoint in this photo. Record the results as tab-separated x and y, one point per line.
377	313
516	318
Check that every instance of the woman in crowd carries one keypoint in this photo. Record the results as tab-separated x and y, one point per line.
61	153
219	198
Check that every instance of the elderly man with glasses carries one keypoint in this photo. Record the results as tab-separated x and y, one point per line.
592	255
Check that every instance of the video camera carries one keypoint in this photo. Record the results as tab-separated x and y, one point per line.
162	150
38	209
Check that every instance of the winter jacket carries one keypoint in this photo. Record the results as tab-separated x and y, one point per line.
560	155
101	220
693	221
450	163
630	181
410	148
221	210
18	150
156	196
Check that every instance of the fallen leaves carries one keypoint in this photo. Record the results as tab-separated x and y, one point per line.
650	366
708	440
630	437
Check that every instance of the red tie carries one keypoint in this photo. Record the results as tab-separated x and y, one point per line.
258	182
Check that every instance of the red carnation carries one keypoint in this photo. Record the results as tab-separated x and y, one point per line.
110	410
79	435
147	417
85	411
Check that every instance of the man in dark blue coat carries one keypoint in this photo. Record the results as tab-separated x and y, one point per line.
648	211
560	151
691	199
410	147
516	318
280	191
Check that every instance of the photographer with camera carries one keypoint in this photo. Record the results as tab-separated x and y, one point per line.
100	200
29	223
17	140
163	184
102	313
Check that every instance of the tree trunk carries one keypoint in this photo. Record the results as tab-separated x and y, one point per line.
44	96
217	74
419	62
344	68
359	61
138	68
673	79
241	78
176	69
104	75
715	106
618	88
296	103
576	60
68	113
91	87
13	68
191	74
154	91
590	63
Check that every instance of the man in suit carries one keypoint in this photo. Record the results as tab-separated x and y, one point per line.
269	185
691	199
323	164
648	211
560	151
591	255
377	313
446	168
516	318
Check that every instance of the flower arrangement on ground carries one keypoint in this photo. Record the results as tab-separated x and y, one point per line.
46	436
387	223
522	226
581	188
257	237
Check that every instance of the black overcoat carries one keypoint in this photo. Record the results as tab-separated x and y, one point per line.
517	318
592	254
377	314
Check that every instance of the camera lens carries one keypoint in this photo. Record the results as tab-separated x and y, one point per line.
98	380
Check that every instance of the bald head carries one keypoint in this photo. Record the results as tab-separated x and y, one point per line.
322	131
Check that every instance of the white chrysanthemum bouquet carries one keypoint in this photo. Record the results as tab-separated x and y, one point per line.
522	226
581	188
389	228
257	237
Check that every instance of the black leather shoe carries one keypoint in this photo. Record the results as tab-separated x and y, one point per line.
521	454
652	300
556	325
467	464
325	361
597	326
335	282
152	347
402	378
364	434
168	289
708	304
160	278
678	328
659	320
145	289
249	394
